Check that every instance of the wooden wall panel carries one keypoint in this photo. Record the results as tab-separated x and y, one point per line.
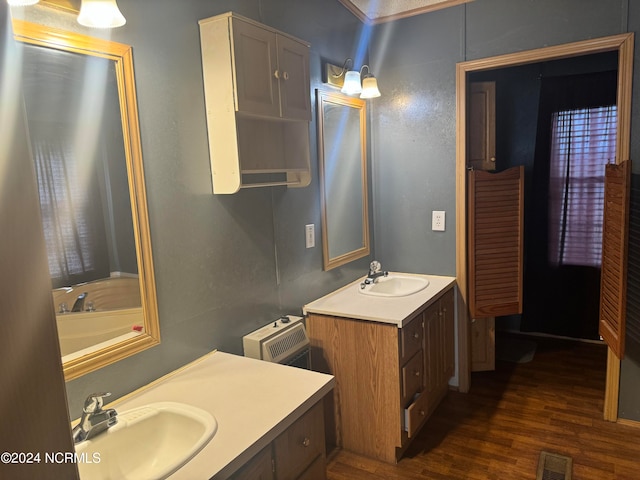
360	349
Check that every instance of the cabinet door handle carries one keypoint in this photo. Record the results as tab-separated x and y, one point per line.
306	442
417	373
277	74
416	335
285	75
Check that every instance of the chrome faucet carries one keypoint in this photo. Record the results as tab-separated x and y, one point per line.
94	419
78	305
375	271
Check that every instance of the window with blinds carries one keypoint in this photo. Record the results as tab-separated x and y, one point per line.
71	207
583	142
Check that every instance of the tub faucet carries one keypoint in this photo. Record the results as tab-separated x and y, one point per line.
375	271
94	419
78	305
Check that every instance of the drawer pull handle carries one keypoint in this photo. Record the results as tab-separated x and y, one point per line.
306	442
417	373
416	335
422	413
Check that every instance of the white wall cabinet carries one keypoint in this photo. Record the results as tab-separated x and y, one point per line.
257	95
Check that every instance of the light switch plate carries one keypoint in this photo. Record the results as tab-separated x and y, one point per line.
310	235
437	221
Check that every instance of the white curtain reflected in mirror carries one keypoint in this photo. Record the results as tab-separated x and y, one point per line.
343	178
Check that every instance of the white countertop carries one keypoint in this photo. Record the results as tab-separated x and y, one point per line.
349	302
252	400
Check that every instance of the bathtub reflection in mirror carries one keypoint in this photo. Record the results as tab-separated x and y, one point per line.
83	123
343	178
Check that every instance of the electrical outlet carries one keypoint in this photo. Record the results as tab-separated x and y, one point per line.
437	221
310	235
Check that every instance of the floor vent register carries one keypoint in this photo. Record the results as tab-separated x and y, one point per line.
554	467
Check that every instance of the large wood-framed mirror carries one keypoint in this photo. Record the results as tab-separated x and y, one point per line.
342	153
83	124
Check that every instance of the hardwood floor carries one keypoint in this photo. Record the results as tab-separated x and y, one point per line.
498	430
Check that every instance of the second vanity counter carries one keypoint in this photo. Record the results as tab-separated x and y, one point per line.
392	357
349	302
252	400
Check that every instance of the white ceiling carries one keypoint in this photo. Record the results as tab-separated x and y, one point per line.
377	11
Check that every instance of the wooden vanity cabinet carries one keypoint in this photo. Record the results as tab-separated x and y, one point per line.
296	454
388	379
257	96
260	467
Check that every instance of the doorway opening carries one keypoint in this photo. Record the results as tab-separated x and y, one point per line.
621	46
558	120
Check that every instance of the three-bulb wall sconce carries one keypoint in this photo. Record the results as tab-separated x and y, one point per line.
93	13
352	82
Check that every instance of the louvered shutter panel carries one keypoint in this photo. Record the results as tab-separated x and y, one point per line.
613	282
496	229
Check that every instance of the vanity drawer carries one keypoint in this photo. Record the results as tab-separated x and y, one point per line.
416	414
300	444
411	338
412	377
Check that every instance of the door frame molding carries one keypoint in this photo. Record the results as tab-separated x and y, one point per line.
623	44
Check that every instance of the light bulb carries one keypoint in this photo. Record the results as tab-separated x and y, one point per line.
352	83
100	14
370	87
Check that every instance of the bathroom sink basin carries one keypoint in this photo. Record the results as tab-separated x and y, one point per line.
149	442
395	285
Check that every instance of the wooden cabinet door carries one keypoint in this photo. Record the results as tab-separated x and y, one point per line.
300	444
259	467
293	74
317	470
447	310
432	356
482	126
255	64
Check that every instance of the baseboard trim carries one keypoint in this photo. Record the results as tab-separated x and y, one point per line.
549	335
628	423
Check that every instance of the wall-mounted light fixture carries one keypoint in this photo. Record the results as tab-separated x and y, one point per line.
100	14
352	82
92	13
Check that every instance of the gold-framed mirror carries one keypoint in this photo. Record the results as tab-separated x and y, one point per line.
70	6
342	154
82	115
